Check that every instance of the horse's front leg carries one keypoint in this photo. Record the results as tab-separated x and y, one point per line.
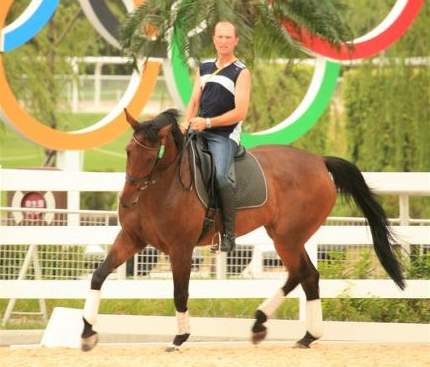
180	260
123	248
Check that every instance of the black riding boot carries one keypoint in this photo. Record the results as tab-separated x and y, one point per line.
228	207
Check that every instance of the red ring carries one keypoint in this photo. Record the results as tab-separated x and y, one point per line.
361	49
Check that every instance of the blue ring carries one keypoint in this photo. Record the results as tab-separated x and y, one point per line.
30	27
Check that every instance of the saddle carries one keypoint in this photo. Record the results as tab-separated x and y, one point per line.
246	173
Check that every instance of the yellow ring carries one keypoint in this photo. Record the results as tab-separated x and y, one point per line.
90	137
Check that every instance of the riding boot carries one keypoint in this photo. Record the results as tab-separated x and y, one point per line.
228	208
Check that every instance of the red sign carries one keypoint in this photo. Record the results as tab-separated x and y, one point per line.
33	200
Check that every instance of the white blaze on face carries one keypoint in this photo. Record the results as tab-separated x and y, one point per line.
314	322
270	305
91	307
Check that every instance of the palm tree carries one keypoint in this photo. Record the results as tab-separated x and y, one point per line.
189	23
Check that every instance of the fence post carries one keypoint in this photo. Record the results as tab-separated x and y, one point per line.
404	216
75	86
221	265
97	85
256	264
71	161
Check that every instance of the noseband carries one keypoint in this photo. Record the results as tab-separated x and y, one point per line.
144	182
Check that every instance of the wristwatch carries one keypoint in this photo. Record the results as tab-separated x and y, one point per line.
208	123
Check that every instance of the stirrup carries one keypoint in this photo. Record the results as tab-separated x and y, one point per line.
215	246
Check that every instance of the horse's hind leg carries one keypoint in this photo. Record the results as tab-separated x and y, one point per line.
122	249
181	261
310	285
300	270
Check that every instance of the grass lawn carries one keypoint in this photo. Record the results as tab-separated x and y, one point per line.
17	152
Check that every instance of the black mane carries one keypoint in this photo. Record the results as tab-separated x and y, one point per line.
152	127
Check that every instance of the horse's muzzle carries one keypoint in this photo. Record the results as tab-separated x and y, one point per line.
129	198
129	205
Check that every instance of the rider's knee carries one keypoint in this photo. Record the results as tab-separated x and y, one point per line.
223	181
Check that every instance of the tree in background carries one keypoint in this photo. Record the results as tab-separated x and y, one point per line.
258	23
388	107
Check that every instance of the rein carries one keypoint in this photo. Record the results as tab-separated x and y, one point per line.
147	180
144	182
189	136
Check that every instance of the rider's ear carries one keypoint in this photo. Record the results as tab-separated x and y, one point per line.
131	120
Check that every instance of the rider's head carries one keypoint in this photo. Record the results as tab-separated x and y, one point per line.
225	38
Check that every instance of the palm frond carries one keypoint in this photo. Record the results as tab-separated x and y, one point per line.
155	23
321	17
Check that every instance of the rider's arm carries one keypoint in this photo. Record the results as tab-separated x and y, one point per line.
242	94
193	106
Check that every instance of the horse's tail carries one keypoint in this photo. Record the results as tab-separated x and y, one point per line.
350	181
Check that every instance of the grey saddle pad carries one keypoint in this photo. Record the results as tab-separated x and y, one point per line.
250	182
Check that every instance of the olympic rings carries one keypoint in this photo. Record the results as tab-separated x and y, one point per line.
179	81
386	33
28	24
105	130
308	112
102	19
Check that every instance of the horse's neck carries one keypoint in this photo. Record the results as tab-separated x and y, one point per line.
167	177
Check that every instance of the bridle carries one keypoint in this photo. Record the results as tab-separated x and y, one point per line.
144	182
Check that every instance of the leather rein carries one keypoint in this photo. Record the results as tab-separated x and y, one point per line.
144	182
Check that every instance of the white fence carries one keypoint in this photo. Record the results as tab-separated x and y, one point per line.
254	281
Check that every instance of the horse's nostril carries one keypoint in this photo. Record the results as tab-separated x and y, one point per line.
129	205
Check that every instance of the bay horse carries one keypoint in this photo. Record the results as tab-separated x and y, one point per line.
155	208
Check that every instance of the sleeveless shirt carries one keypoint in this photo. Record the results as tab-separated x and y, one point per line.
218	91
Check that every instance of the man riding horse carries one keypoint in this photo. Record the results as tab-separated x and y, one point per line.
218	106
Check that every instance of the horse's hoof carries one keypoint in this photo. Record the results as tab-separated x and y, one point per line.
306	341
299	345
89	343
173	348
259	336
177	342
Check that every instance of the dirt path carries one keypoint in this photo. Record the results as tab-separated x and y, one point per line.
220	355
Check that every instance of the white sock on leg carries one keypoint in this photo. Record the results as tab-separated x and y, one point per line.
314	322
270	305
183	322
91	307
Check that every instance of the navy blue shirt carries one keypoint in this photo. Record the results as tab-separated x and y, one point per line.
218	91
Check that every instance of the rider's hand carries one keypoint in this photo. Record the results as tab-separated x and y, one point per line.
198	124
184	126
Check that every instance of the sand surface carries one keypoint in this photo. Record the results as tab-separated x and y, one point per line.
220	355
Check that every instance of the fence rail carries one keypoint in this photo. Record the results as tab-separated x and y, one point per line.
63	256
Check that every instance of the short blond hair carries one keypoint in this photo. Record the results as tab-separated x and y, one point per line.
227	22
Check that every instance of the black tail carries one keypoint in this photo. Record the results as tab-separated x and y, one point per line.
350	181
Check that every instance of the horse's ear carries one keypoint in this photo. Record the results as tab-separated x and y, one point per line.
131	120
173	113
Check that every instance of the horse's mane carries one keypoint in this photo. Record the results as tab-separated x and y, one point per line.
152	127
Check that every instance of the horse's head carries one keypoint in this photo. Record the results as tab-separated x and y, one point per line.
155	144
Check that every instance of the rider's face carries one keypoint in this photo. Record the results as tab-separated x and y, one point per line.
225	39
